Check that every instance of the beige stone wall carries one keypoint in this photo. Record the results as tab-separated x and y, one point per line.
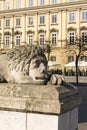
61	27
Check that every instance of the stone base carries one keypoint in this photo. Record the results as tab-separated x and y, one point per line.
31	121
38	107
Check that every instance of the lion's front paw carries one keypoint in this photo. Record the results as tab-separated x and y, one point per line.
57	79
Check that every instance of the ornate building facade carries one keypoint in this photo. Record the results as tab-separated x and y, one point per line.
43	22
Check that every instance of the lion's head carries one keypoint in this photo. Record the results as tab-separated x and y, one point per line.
27	64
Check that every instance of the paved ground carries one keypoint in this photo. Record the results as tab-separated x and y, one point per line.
82	115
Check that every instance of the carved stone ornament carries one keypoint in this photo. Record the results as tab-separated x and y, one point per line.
27	64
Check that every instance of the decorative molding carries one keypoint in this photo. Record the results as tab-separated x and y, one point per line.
83	28
17	32
71	29
41	31
30	31
54	30
7	33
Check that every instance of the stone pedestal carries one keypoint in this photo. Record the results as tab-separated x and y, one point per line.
38	107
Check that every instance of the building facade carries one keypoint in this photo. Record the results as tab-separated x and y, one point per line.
43	22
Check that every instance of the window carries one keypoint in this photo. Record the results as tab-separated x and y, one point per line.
7	23
0	23
30	20
84	58
71	17
0	6
7	5
84	37
41	39
7	40
0	39
54	38
70	59
42	19
18	40
30	39
41	2
54	1
84	15
71	0
18	4
30	3
53	58
54	18
71	37
18	22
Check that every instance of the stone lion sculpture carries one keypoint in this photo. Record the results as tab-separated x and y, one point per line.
27	64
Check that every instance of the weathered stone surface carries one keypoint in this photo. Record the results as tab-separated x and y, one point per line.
38	98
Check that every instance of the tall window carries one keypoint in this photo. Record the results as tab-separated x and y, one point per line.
84	37
84	58
54	1
7	40
30	3
0	23
54	18
84	15
7	23
71	37
71	17
42	19
70	59
18	21
41	2
0	39
7	5
30	22
54	38
41	39
30	39
18	4
17	40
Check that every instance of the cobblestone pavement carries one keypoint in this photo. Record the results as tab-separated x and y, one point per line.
82	114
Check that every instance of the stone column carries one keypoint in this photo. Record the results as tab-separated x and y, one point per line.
3	38
23	23
36	29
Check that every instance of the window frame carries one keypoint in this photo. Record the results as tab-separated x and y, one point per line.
71	37
7	40
42	20
84	37
17	40
54	38
71	16
41	38
54	18
84	15
53	58
30	39
18	22
7	22
30	20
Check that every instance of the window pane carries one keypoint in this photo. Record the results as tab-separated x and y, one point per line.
17	40
84	37
7	23
54	39
53	58
18	22
30	39
30	3
84	15
42	19
41	39
54	1
70	59
71	37
18	3
71	17
54	18
7	5
41	2
7	40
30	20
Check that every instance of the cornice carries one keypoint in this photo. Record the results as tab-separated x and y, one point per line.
46	8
